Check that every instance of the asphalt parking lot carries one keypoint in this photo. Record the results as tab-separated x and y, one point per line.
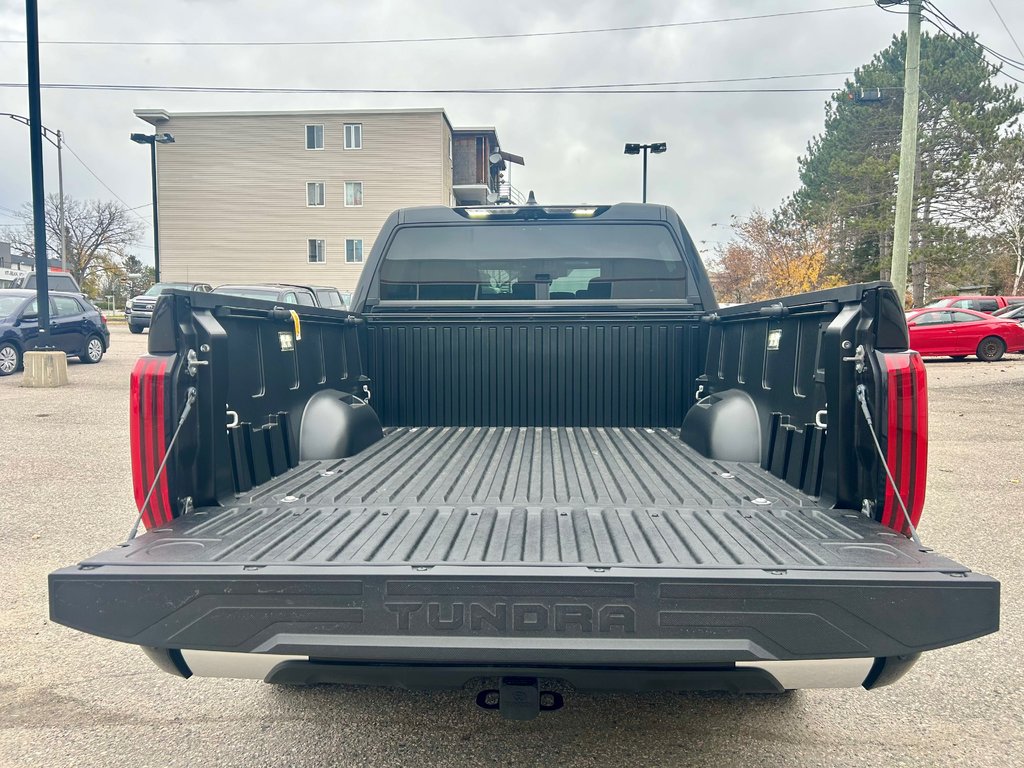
67	699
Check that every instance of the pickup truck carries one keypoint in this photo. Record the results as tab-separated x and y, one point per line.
535	449
138	311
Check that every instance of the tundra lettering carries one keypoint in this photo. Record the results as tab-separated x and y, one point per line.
526	617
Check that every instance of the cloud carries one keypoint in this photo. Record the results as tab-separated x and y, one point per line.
728	153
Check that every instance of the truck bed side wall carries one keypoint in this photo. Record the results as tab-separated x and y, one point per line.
258	368
794	357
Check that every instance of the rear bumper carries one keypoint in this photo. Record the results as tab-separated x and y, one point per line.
528	615
741	677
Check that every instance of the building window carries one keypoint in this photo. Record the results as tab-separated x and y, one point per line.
353	193
315	194
314	137
353	136
317	251
353	251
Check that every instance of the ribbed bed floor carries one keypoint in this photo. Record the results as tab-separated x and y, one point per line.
545	496
528	466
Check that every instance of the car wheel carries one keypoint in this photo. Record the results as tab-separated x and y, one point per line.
959	357
134	328
10	359
991	349
93	350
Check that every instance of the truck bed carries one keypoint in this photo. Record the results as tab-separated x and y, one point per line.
597	497
505	547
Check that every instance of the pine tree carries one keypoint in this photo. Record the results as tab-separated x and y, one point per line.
850	171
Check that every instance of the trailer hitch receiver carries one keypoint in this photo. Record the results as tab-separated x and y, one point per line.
519	698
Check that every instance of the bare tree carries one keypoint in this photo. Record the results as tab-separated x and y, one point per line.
98	233
1001	195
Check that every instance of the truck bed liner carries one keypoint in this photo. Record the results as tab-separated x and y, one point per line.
538	496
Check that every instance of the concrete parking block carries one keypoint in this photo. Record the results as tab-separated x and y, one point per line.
45	368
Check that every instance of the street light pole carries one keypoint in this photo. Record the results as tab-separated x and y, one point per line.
35	116
645	174
153	140
156	214
636	149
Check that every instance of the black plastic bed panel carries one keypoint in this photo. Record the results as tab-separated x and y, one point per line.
610	370
596	497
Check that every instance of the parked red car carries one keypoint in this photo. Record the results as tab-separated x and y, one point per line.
985	304
962	332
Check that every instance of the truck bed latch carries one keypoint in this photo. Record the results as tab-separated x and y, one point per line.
519	698
193	362
859	357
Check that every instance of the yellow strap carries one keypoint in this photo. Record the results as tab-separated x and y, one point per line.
297	324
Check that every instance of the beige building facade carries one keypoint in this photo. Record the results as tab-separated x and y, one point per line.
294	197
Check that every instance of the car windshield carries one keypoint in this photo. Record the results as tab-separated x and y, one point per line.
939	303
9	304
159	288
267	294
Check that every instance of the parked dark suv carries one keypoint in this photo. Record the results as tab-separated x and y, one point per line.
286	294
328	297
139	311
290	293
76	327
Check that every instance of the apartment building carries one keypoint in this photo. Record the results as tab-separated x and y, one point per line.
300	196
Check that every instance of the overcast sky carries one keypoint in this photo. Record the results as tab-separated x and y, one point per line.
727	153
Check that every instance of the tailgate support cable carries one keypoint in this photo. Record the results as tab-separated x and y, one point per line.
862	398
190	398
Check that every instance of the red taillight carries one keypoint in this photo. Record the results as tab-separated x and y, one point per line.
906	437
149	438
103	318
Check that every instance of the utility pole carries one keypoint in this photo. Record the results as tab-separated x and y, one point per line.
49	135
60	191
908	152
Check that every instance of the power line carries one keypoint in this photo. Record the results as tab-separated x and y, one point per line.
930	8
936	10
107	186
1007	28
446	39
557	90
973	46
597	87
974	38
681	82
